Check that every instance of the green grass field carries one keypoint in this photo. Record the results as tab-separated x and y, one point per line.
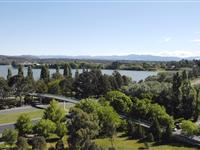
12	117
122	143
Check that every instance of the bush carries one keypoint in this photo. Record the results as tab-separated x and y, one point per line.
9	136
38	143
24	124
22	143
189	127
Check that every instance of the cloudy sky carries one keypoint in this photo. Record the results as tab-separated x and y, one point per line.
167	28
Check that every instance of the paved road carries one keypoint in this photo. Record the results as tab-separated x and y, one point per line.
17	109
57	97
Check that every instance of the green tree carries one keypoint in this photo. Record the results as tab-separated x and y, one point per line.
22	143
189	127
118	79
105	115
38	143
61	130
24	124
30	74
66	86
44	75
4	88
41	87
9	75
176	89
76	74
120	102
45	127
9	136
67	71
82	128
20	71
54	87
54	112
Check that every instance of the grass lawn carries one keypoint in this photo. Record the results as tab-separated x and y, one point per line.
122	143
12	117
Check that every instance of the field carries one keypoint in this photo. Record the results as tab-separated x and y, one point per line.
123	143
12	117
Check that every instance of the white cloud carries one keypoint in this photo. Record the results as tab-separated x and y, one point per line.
180	53
196	41
167	39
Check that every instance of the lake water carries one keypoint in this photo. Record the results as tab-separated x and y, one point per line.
135	75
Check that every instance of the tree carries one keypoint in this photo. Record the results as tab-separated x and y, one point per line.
156	130
76	74
188	99
120	102
4	88
45	127
54	112
66	86
61	130
118	79
54	87
41	87
44	75
24	124
176	94
38	143
9	136
20	71
67	71
105	115
22	143
57	74
189	127
82	128
9	75
30	74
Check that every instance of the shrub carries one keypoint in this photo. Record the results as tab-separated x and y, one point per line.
38	143
9	136
22	143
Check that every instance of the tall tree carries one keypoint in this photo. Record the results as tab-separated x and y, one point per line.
67	71
44	75
9	75
30	73
20	71
176	92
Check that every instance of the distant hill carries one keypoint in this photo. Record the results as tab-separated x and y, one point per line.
132	57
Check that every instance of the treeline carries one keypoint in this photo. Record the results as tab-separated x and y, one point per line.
88	83
178	96
123	65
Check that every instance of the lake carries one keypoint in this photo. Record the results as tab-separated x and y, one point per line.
135	75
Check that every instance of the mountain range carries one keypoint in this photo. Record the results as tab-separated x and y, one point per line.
131	57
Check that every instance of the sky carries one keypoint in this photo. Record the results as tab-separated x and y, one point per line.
100	27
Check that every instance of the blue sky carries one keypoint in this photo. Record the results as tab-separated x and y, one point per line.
100	28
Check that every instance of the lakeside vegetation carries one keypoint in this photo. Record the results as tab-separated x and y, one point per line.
110	104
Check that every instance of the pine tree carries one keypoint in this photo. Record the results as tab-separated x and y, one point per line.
67	71
20	71
9	74
30	73
76	74
44	75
